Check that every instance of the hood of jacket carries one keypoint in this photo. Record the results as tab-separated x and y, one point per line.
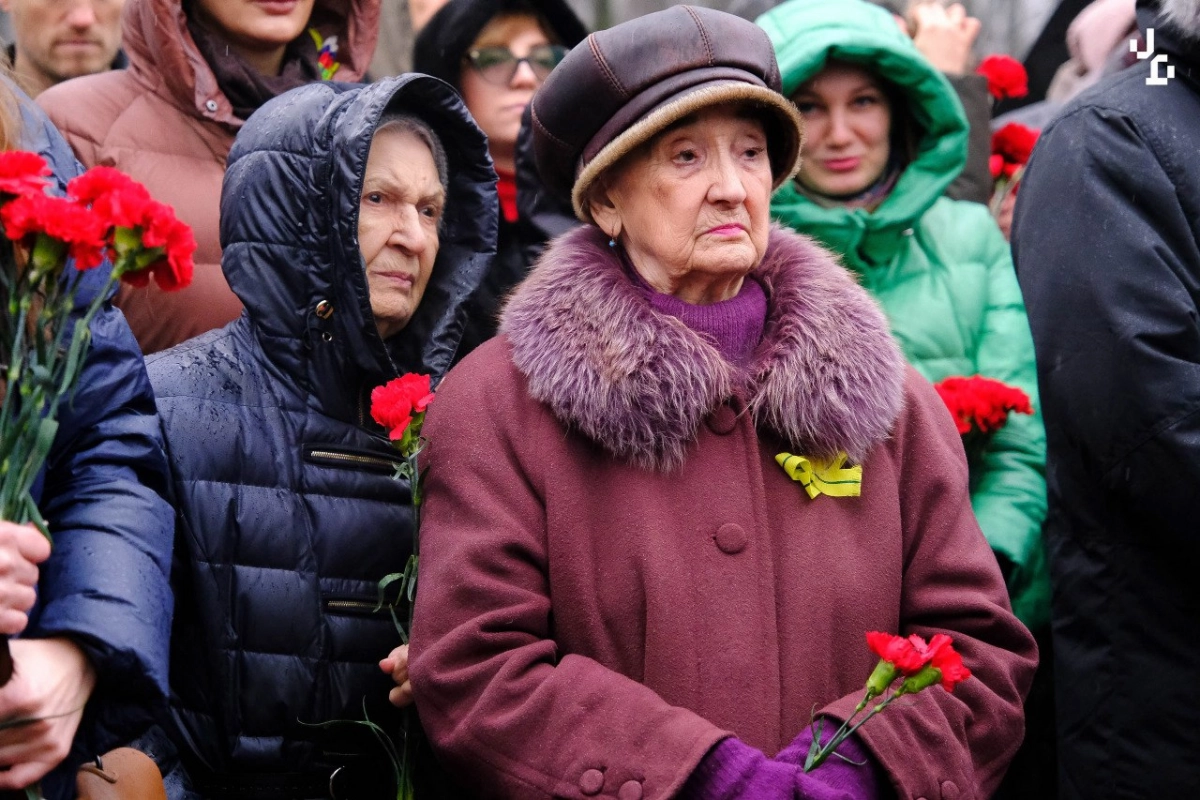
827	376
442	43
161	50
809	33
289	229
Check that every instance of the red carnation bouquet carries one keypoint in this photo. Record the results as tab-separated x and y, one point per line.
1006	77
980	406
44	337
399	406
916	663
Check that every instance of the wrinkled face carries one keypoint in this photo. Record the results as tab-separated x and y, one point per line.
257	25
61	39
398	216
847	123
692	205
497	108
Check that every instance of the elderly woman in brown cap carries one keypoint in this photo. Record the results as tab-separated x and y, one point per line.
622	592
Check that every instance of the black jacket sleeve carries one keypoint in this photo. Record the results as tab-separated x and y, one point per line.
1108	260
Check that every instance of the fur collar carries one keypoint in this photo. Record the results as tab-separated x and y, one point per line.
827	375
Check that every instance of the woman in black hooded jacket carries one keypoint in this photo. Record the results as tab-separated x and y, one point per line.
288	514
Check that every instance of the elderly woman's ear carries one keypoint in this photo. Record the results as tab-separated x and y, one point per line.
604	210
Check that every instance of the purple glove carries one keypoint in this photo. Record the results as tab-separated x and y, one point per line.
859	778
733	770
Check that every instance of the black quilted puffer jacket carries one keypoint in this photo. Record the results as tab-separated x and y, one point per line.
287	512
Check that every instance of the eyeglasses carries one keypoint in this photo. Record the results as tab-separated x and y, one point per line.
499	65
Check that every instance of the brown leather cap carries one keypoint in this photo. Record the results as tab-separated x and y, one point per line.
621	86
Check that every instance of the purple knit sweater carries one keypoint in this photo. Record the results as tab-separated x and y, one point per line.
735	325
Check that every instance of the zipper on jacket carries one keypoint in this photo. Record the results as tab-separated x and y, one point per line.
358	606
342	458
362	608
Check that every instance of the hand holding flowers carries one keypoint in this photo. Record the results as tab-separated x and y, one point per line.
917	664
44	323
399	406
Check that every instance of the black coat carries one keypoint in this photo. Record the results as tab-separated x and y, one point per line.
1107	246
103	494
288	513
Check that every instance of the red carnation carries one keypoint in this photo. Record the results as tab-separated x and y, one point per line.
394	404
1014	143
22	173
60	219
981	404
947	661
112	194
124	204
173	270
1006	77
907	655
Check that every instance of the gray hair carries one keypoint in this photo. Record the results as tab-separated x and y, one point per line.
411	123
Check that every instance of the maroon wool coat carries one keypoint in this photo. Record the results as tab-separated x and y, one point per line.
616	574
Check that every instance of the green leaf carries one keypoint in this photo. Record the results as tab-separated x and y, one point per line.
34	515
384	583
815	748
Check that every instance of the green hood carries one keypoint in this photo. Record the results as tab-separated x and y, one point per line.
808	33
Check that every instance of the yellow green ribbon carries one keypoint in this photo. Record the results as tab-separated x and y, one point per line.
823	477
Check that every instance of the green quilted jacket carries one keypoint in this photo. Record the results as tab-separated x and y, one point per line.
940	268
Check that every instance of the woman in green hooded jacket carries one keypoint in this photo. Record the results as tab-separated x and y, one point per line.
885	136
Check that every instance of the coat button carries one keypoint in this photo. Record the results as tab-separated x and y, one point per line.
731	538
949	790
630	790
324	309
211	105
591	782
722	421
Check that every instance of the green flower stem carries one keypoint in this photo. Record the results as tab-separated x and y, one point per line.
411	458
822	753
42	373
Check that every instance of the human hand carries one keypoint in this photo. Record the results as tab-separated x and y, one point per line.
944	35
1004	219
22	548
854	774
52	681
396	665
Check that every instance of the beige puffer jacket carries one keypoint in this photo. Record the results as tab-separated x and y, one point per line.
165	122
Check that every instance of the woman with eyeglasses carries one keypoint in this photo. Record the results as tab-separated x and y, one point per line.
497	53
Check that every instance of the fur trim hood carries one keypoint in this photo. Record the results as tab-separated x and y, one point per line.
827	375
